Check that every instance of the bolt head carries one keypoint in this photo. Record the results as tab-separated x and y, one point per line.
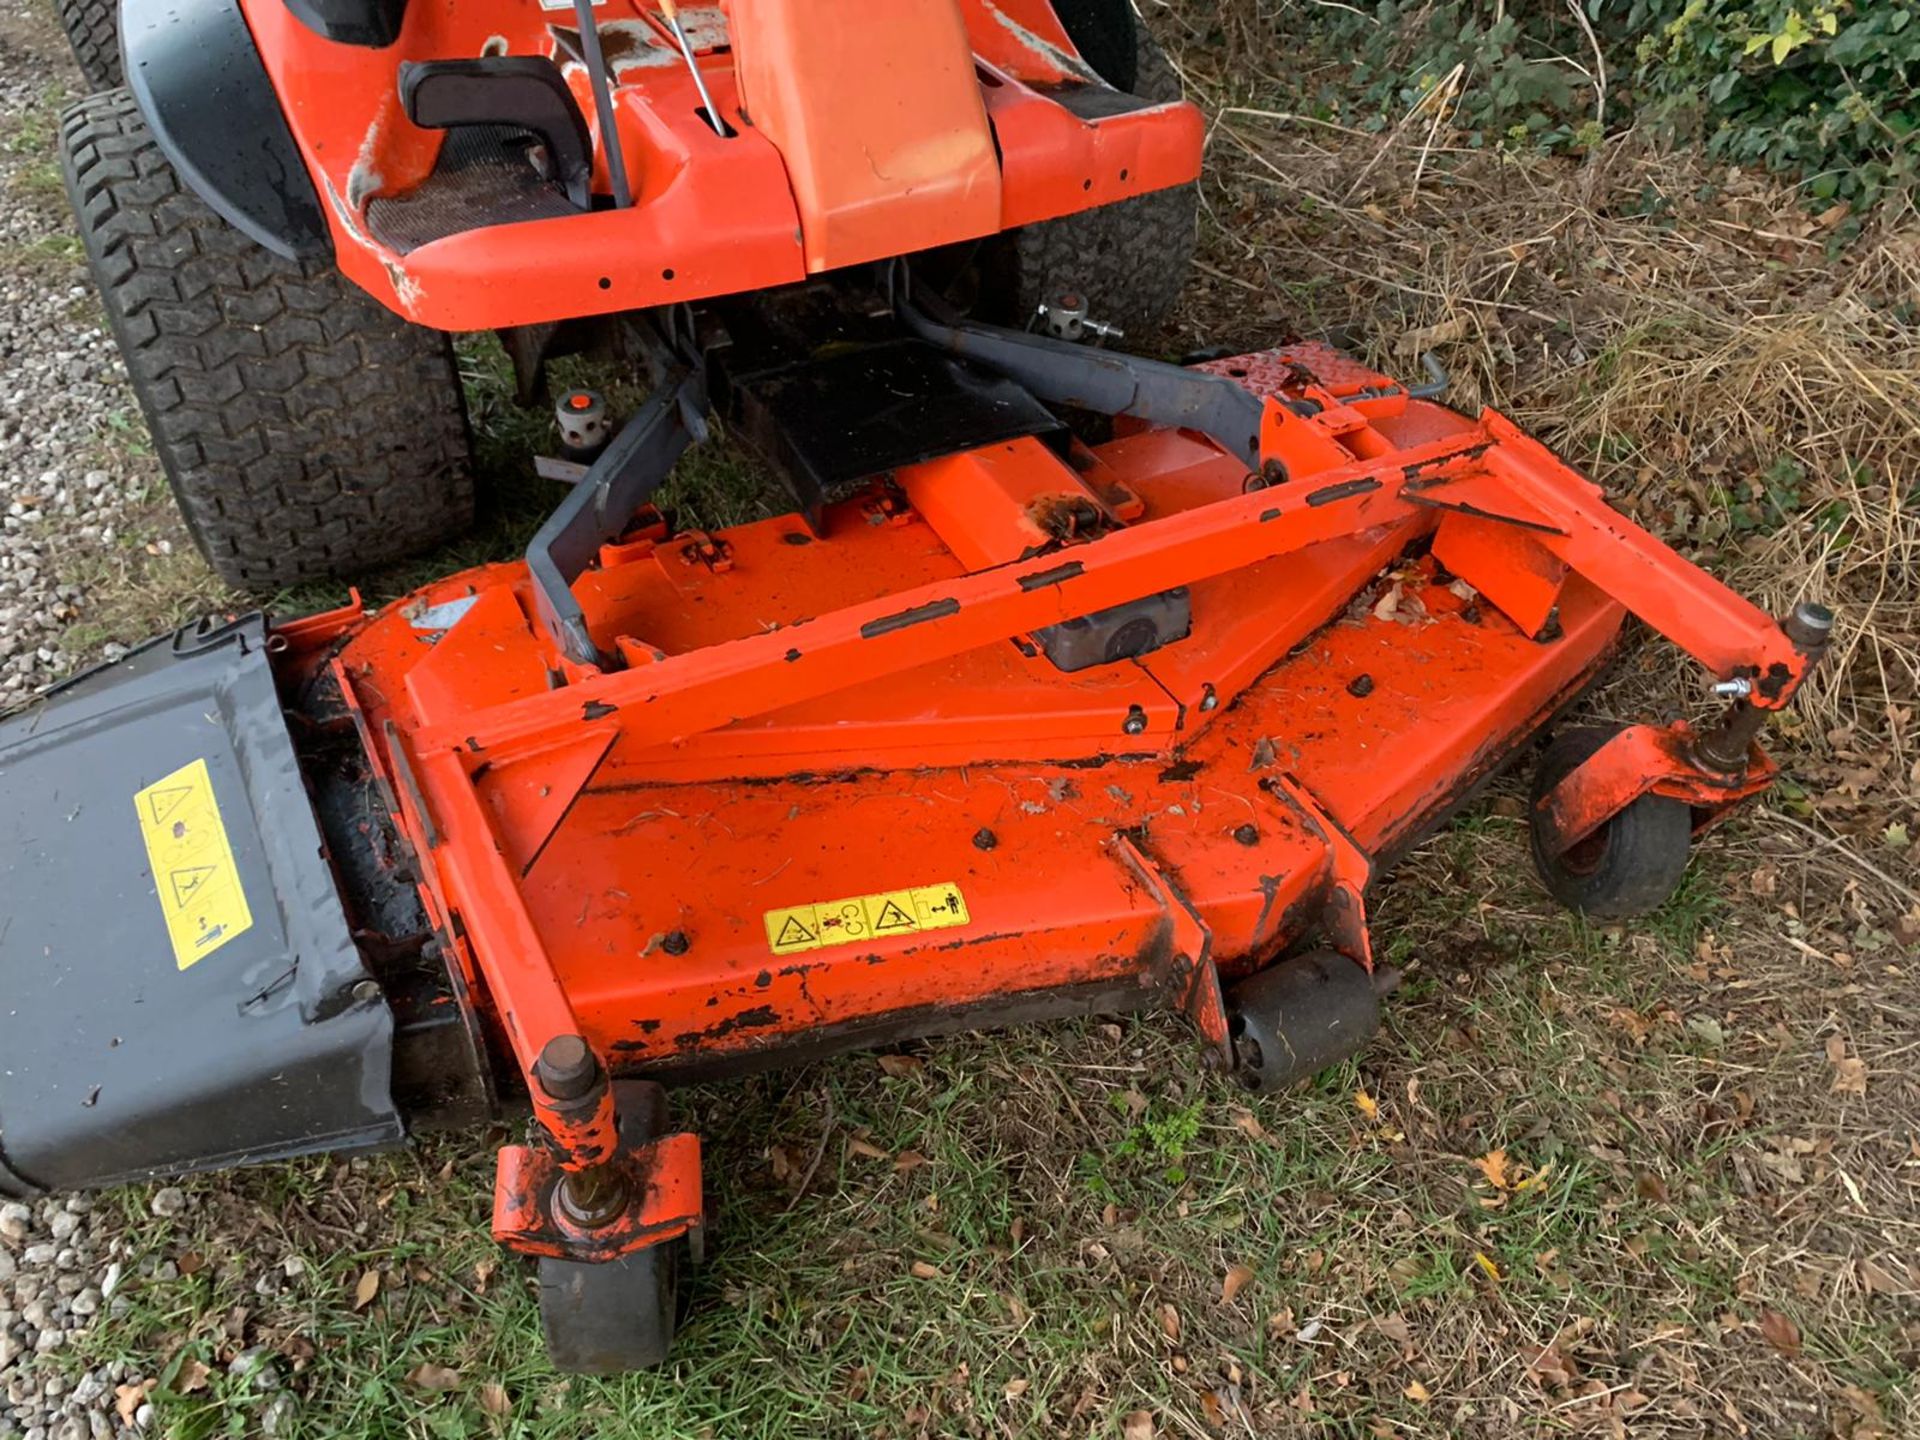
567	1069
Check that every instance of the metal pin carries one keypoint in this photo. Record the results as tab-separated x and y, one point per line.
671	14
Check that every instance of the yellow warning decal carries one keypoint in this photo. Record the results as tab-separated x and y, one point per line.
194	873
883	916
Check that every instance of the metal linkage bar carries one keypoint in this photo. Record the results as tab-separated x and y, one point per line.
1730	635
1106	382
715	686
632	467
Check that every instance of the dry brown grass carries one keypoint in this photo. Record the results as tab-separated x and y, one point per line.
1674	331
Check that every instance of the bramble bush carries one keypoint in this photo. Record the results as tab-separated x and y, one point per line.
1827	90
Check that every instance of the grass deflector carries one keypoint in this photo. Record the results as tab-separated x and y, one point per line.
1075	681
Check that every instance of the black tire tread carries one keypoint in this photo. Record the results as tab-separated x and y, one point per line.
307	431
1129	260
1647	843
93	30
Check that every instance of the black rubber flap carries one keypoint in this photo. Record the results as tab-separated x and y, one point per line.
177	981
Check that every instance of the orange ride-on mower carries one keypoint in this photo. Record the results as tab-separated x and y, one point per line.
1074	682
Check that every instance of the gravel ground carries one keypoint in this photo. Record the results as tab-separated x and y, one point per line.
61	382
65	487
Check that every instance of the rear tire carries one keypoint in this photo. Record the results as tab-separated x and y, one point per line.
1128	260
307	431
93	30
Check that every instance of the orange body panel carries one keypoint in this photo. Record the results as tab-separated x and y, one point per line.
841	152
877	113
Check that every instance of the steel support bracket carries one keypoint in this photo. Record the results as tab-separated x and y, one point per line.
662	1201
1646	760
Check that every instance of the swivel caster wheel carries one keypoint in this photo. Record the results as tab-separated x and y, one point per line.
619	1315
1629	866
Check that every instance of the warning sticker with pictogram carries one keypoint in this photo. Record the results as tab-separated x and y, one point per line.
887	915
195	877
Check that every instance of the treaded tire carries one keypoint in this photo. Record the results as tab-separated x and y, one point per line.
1632	864
93	30
307	432
1129	260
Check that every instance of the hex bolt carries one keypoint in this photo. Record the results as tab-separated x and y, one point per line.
567	1069
1136	721
366	991
675	942
1248	834
1360	686
1738	688
1209	698
984	839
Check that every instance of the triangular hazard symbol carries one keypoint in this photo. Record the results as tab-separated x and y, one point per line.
794	933
892	917
187	881
164	802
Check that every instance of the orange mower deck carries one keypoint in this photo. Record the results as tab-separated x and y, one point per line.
827	790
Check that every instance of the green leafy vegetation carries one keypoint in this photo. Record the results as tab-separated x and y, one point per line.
1826	90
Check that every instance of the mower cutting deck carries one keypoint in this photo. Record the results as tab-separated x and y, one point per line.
1074	682
1029	727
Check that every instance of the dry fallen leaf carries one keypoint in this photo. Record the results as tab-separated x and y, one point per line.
865	1149
494	1398
1366	1104
1238	1277
1170	1322
901	1065
1016	1388
1418	1392
1394	1327
909	1160
429	1376
1493	1165
191	1376
1551	1366
1781	1332
127	1400
365	1289
1137	1426
922	1270
1485	1262
1248	1124
1849	1071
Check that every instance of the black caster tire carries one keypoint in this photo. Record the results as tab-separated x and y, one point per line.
1632	864
609	1318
